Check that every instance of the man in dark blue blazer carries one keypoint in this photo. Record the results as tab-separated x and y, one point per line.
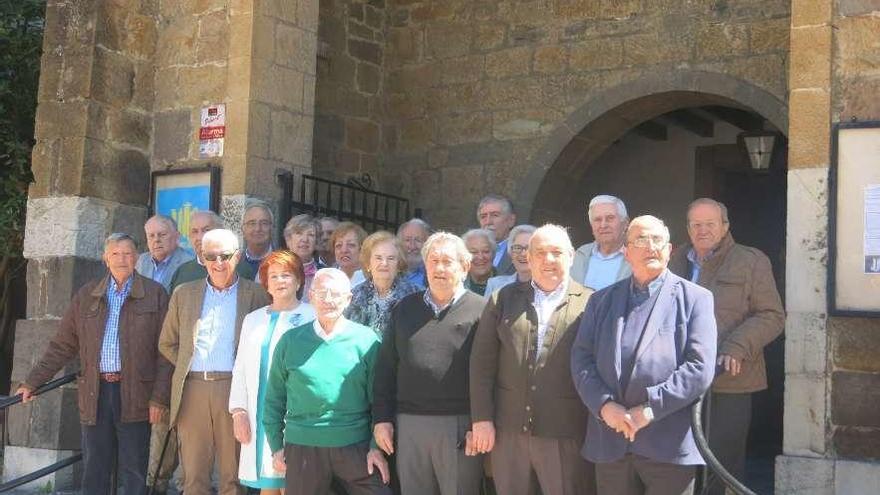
645	351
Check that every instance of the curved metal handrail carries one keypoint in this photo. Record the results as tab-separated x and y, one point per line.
711	461
16	399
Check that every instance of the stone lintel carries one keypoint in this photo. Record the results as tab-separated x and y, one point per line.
77	226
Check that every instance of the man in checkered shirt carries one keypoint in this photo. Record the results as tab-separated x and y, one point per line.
113	326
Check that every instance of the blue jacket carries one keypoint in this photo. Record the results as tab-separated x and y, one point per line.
674	365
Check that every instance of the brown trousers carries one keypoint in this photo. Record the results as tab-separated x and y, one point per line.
204	428
556	463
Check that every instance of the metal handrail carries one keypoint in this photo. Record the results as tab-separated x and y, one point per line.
711	461
16	399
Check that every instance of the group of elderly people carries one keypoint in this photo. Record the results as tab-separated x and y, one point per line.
416	363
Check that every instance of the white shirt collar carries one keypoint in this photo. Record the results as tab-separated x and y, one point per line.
341	325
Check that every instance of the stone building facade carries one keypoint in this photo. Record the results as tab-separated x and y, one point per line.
517	97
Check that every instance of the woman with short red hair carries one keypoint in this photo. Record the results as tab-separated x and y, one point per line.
281	273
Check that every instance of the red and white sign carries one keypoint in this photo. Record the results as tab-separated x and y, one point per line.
212	131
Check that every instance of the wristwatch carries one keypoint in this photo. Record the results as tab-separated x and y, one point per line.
647	412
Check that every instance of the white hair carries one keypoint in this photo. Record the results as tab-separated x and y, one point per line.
164	219
516	231
464	256
223	237
647	220
550	230
485	234
606	199
415	221
712	202
119	237
334	274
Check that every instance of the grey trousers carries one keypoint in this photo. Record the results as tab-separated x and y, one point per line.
729	421
312	470
637	475
430	456
556	462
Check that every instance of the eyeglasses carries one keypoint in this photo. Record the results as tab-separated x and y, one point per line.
220	256
518	248
326	295
253	223
658	241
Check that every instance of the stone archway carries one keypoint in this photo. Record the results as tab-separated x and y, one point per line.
590	129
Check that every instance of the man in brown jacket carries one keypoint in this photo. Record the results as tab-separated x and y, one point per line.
520	376
200	337
749	315
112	325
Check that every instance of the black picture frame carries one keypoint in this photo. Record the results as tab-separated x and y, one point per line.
834	210
171	190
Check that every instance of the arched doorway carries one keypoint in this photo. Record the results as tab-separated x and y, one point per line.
659	144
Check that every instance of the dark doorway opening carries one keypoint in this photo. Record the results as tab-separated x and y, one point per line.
661	164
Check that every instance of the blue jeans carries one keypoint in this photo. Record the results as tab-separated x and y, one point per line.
109	437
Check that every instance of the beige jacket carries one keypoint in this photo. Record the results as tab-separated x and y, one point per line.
179	331
748	309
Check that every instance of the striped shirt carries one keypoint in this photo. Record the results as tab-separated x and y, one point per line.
110	356
215	341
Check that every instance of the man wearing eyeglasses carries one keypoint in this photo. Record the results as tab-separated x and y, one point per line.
200	337
317	408
256	230
200	223
644	352
749	313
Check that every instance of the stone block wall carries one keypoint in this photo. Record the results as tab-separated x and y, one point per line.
259	59
832	431
854	343
473	89
349	105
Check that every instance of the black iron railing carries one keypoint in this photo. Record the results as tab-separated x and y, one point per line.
712	462
15	399
354	202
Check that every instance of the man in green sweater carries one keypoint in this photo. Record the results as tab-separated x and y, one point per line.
317	409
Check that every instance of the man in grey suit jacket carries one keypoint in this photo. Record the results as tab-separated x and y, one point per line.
645	351
600	263
164	254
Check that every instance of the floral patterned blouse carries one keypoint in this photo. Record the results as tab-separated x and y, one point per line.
367	308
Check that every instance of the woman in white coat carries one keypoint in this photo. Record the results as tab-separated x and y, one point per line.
281	273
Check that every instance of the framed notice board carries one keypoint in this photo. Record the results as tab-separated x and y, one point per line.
854	220
180	193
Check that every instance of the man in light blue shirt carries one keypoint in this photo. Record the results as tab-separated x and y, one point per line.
164	254
412	235
600	263
200	337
